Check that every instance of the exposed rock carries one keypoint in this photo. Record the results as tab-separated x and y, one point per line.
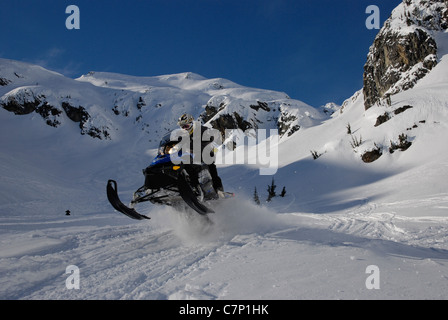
386	116
25	102
404	50
382	119
209	113
391	56
285	124
232	120
268	114
80	114
50	114
260	105
141	103
227	121
402	109
20	107
372	155
76	114
95	132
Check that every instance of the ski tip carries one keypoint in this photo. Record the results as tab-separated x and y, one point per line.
114	200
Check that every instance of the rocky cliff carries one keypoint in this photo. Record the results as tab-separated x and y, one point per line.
405	49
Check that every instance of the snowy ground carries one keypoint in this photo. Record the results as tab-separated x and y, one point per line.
339	217
280	256
284	250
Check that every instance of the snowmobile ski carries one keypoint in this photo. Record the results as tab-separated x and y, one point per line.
115	201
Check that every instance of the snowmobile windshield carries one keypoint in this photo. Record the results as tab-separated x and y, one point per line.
166	144
163	143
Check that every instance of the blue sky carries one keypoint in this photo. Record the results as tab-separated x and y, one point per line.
312	50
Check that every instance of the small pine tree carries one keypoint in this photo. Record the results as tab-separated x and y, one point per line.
315	154
271	191
282	194
256	198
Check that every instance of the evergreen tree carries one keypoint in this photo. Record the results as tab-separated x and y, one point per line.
271	191
282	194
256	198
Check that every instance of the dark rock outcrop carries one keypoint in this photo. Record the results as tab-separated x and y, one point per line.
405	49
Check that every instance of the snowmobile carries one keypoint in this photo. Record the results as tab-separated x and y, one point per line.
169	182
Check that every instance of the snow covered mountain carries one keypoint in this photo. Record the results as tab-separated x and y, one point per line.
365	183
105	104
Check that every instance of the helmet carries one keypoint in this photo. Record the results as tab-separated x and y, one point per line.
186	122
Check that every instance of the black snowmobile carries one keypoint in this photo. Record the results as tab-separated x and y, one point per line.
169	182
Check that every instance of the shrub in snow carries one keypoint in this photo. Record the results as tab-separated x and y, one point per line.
403	144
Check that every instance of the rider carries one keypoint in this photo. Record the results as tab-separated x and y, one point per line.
187	123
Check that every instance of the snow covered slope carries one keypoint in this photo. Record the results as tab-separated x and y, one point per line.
116	107
339	216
